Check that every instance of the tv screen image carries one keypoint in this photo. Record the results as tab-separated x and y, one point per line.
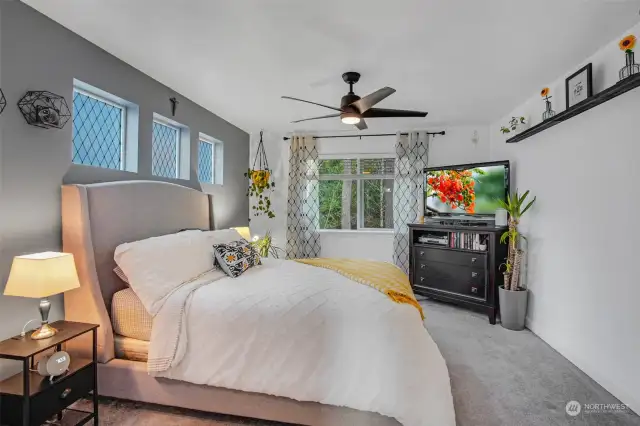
473	190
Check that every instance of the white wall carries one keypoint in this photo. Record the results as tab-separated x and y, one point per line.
457	146
582	232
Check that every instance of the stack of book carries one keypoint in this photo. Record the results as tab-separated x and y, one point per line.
467	241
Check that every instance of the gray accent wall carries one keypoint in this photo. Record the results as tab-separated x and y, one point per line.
37	53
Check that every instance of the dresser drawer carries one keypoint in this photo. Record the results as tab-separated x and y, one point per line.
473	260
457	279
62	394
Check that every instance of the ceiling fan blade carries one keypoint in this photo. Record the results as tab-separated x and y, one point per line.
317	118
362	125
370	100
309	102
383	112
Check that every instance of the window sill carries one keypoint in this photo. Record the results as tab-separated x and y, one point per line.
356	231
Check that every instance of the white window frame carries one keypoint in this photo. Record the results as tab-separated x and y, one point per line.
123	124
360	196
217	157
167	123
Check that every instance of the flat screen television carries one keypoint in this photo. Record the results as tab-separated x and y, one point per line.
465	189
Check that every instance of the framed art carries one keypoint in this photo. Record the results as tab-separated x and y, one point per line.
579	86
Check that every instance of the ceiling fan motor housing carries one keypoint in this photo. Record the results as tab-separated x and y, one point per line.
348	100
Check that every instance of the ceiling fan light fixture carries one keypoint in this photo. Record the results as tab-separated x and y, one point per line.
350	118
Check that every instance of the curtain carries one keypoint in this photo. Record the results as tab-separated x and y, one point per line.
303	205
412	154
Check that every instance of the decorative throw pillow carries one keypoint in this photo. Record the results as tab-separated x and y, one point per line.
236	257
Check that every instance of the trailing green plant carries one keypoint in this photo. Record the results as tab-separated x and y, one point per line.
513	124
516	206
265	246
261	186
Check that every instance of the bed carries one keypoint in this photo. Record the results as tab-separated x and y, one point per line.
96	219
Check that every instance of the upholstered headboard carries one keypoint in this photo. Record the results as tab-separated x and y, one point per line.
96	218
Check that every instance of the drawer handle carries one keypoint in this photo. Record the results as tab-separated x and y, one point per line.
473	260
474	289
65	393
422	266
421	253
421	279
474	274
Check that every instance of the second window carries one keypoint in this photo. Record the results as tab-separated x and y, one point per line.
165	150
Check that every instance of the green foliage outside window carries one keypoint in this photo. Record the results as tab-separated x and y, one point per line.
339	197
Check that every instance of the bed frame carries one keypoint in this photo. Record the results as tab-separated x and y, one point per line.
96	218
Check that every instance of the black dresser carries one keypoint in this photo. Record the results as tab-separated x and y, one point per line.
458	263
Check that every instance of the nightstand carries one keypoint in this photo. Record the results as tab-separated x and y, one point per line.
28	399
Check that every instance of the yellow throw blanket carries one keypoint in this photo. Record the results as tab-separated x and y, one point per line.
384	277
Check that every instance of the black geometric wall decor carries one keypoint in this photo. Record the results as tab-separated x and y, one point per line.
44	109
3	101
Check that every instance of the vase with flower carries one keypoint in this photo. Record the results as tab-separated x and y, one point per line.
548	112
627	45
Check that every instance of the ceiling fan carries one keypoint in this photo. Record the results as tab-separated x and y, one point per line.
354	109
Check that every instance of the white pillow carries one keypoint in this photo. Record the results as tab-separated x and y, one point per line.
155	266
223	236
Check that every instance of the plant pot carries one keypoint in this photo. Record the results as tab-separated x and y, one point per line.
513	308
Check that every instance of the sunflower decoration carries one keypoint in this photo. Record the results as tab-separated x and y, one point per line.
628	43
545	92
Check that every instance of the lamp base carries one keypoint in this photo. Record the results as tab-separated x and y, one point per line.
44	332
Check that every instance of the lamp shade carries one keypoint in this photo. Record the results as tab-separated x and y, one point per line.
244	232
40	275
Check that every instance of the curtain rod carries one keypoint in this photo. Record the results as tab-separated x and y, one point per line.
366	136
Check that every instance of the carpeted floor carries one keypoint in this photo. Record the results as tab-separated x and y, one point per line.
499	378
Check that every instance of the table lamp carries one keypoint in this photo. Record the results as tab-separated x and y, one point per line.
244	232
41	275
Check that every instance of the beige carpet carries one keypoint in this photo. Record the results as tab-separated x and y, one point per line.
498	377
127	413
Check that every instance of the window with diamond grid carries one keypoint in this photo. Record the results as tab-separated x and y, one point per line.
205	162
98	136
164	150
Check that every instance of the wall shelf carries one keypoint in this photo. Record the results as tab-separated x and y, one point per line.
595	100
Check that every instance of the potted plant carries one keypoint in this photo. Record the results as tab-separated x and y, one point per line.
513	297
265	246
516	125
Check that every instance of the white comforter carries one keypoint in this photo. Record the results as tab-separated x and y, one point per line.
310	334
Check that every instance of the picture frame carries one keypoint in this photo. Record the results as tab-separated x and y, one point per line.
579	86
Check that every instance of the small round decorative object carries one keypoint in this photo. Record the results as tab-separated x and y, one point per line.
54	365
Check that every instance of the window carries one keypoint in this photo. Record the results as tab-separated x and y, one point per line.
98	131
356	193
210	157
165	150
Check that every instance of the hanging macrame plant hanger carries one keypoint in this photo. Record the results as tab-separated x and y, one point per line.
260	171
260	183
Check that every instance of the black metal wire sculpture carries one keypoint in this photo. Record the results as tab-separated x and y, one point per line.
3	101
44	109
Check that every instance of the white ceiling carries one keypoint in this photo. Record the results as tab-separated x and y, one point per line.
464	61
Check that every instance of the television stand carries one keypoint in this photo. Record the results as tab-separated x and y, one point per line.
458	262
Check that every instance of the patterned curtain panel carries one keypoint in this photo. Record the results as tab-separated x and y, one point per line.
412	154
303	209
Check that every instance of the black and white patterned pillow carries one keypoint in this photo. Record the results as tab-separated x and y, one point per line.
236	257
